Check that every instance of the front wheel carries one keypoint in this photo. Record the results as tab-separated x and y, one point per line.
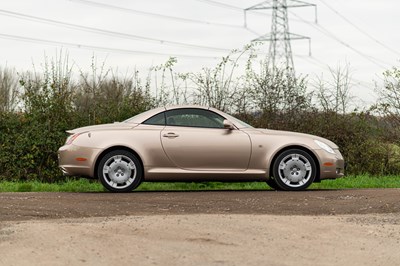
120	171
272	184
294	169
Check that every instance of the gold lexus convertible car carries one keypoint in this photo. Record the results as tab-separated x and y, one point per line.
192	143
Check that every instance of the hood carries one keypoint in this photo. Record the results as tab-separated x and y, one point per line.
296	134
113	126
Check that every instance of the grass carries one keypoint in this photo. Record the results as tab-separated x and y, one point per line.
85	185
362	181
79	185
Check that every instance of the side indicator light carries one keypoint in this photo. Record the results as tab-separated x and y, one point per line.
328	164
80	159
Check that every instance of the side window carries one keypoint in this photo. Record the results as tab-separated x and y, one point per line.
158	119
194	118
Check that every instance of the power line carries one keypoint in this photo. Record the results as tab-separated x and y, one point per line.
318	27
106	32
316	62
372	59
333	36
202	22
232	7
359	29
312	60
99	48
216	3
144	13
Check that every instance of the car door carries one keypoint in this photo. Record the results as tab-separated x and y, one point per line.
195	139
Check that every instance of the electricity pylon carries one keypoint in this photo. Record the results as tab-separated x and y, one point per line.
280	51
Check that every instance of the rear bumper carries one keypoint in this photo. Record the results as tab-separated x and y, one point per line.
77	161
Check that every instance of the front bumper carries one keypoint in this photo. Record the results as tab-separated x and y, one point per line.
332	166
77	161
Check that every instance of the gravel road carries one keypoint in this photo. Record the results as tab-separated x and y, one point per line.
326	227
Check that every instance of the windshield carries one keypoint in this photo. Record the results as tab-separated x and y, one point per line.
237	121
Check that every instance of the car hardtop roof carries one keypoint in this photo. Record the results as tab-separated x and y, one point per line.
173	107
138	119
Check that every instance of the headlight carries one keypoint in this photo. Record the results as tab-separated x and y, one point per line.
71	138
324	146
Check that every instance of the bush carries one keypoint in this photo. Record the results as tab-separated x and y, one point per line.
53	103
44	105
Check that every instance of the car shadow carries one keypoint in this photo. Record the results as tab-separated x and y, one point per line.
212	191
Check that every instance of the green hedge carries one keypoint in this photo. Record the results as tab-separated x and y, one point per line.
49	103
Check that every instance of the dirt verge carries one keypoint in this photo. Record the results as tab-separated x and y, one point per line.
337	227
27	206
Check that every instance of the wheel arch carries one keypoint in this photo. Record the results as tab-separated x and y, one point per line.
310	152
114	148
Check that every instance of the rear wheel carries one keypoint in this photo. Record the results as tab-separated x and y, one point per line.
120	171
294	169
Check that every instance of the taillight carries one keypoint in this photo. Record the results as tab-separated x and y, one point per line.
71	138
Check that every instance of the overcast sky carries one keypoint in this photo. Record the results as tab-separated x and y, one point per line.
143	33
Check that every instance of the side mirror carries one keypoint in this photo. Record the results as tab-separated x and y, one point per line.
228	125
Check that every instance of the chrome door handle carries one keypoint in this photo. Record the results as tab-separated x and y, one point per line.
170	135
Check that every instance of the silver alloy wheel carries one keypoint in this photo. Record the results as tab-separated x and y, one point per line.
295	170
119	171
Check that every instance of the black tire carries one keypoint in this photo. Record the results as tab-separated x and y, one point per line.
120	171
271	182
294	170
